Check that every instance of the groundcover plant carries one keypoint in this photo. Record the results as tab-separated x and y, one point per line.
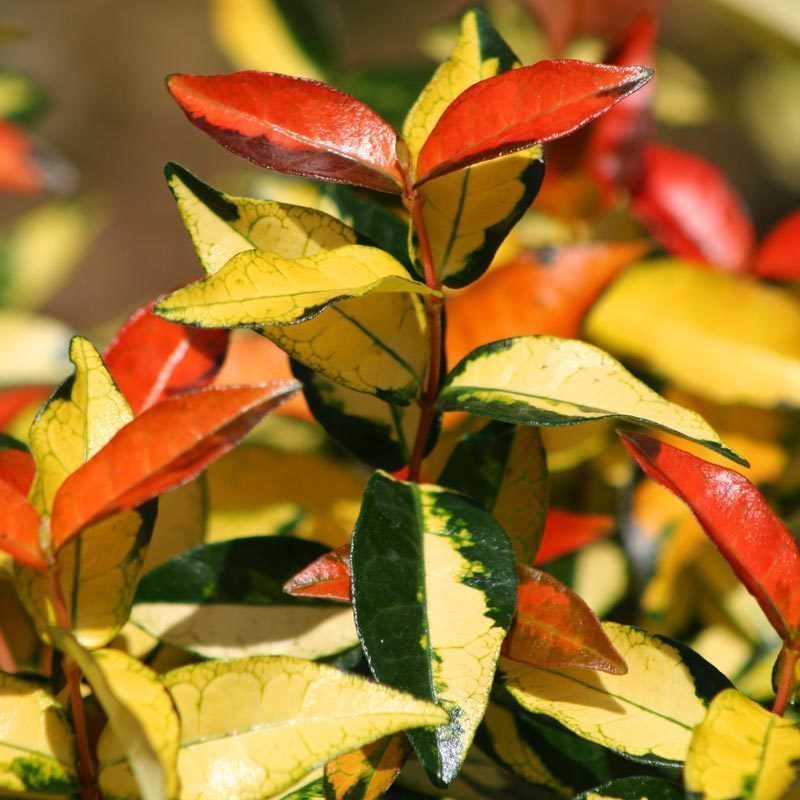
417	626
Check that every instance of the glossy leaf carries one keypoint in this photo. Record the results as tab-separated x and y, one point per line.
647	714
366	773
292	125
737	518
37	746
19	529
543	380
326	578
143	726
547	292
742	750
433	578
225	600
151	359
140	462
723	337
778	257
257	725
634	789
503	469
526	106
567	531
553	627
688	205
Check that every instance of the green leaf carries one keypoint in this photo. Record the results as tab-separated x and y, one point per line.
503	468
433	580
226	600
545	380
634	789
21	99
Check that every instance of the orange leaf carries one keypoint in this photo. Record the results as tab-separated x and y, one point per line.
779	255
553	627
19	168
519	108
736	517
367	773
19	527
17	468
328	577
293	125
159	450
566	531
14	400
151	359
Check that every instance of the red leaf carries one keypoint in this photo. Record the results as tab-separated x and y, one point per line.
17	468
519	108
159	450
779	255
547	292
151	359
738	520
19	527
688	205
293	125
12	401
553	627
19	168
615	150
328	577
566	531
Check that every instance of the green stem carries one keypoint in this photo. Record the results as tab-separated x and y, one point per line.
786	679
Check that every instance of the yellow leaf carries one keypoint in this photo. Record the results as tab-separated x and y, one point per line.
648	713
37	747
253	727
724	337
742	752
600	576
138	750
545	380
33	349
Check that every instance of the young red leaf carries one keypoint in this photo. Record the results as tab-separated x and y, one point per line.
738	520
151	359
521	107
159	450
553	627
689	206
17	468
19	527
328	577
14	400
566	531
779	255
19	168
293	125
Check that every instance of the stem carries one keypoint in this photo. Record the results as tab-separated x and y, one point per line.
73	675
786	679
7	663
433	307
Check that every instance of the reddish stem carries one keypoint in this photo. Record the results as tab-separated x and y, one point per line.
786	679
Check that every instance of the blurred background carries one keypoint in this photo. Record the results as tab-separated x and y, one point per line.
729	90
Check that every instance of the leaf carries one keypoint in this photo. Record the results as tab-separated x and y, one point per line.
688	205
326	578
567	531
543	380
526	106
553	627
724	337
433	578
140	462
19	530
34	349
292	125
144	725
14	402
21	99
647	714
152	359
40	250
546	292
20	170
225	600
741	750
17	467
37	753
503	469
366	773
777	257
257	725
738	520
634	789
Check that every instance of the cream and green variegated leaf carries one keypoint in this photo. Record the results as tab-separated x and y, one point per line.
138	750
546	380
253	727
34	349
504	469
634	788
740	750
309	788
226	600
646	715
37	746
378	433
470	212
433	580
